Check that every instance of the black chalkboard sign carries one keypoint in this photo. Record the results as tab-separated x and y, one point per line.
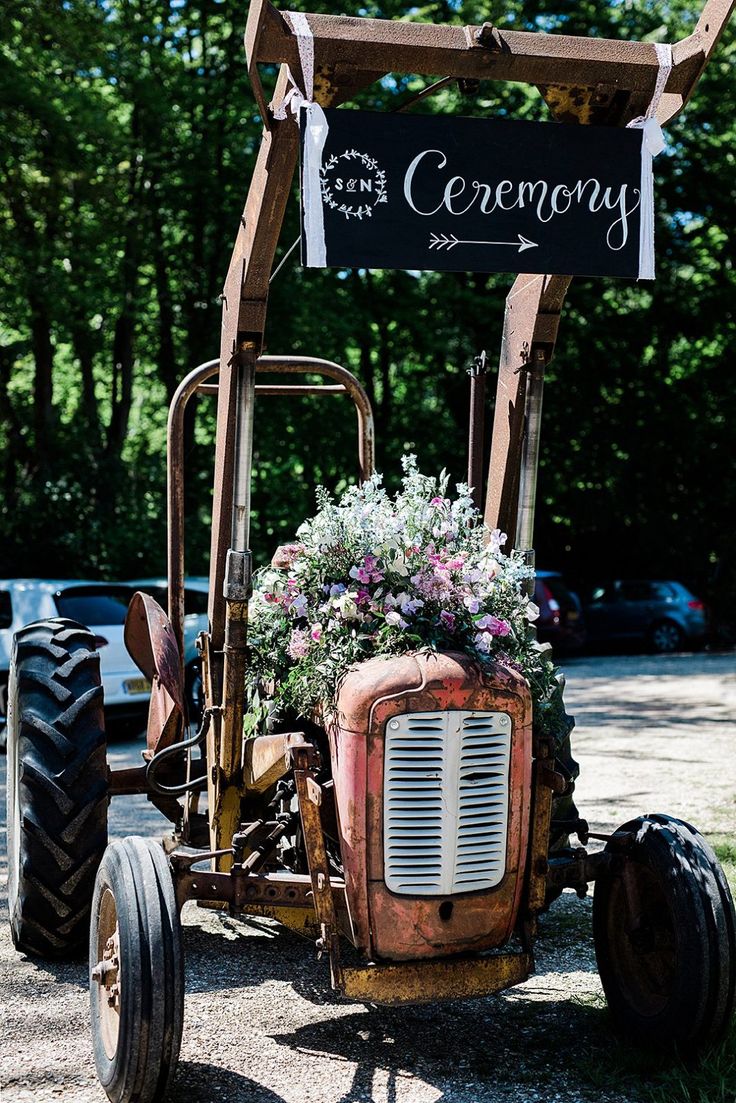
482	195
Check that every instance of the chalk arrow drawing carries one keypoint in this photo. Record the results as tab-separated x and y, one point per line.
449	241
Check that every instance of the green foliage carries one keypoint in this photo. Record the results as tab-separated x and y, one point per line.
130	133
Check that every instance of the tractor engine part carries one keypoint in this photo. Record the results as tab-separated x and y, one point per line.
431	762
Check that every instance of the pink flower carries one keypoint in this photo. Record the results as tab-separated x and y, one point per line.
286	555
316	632
368	572
493	626
437	502
298	644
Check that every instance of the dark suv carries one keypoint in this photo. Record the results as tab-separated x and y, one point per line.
665	615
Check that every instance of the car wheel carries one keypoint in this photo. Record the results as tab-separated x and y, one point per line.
666	637
665	935
57	786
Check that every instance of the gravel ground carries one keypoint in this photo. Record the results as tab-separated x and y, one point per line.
654	734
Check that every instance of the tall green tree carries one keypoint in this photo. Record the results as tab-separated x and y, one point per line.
130	133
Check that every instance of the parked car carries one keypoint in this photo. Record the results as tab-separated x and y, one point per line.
99	606
663	614
560	620
196	590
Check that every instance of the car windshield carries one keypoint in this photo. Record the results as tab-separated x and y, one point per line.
94	605
195	601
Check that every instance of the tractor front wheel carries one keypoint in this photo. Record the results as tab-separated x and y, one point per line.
665	935
136	972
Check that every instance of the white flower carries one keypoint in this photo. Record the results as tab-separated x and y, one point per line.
395	619
348	609
398	566
532	611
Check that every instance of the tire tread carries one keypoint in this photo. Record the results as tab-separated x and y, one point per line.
704	990
56	723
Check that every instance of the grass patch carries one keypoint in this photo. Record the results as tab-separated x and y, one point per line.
725	848
642	1076
711	1080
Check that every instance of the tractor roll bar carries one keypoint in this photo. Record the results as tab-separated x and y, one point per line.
196	383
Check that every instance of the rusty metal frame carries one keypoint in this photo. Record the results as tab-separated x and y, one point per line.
195	383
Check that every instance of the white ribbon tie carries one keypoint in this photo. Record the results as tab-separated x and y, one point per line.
315	136
652	143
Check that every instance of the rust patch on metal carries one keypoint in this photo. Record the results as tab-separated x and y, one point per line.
151	642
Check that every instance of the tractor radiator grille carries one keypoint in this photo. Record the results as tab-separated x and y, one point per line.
446	798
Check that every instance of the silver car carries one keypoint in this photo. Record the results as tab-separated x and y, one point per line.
99	606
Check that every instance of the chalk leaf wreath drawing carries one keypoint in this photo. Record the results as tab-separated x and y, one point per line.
373	574
360	179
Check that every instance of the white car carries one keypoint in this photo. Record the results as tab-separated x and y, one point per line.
99	606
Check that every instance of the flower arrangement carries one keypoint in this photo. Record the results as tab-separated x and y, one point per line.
373	575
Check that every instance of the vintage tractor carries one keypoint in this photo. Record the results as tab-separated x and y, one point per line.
424	819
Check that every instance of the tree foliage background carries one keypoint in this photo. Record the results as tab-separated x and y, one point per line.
129	133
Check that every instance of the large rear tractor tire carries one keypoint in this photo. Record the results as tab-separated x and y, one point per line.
136	972
665	936
57	786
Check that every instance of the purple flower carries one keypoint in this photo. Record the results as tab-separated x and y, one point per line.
298	605
409	606
447	620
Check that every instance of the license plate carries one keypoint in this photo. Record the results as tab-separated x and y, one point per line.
137	685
